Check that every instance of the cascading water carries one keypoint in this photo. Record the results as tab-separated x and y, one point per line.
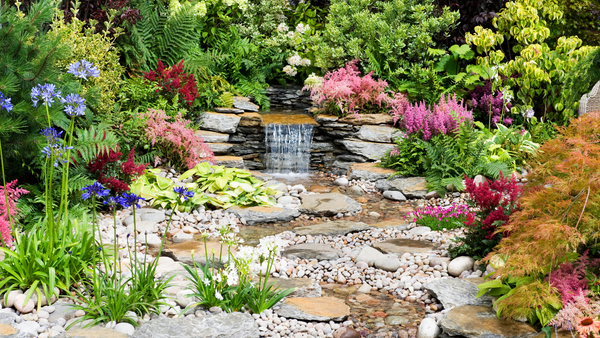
288	148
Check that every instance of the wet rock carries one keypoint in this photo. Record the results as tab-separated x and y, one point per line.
370	150
454	292
460	264
369	172
334	228
328	204
254	215
355	191
319	189
400	246
481	322
321	309
428	329
396	320
236	324
312	251
303	287
222	123
394	195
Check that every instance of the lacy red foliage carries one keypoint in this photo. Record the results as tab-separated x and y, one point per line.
496	201
114	173
174	81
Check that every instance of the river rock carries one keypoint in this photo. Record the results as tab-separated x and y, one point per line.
125	328
303	287
369	255
382	134
22	306
428	329
419	231
387	263
29	327
150	215
329	204
254	215
454	292
322	309
411	187
460	264
342	181
346	332
181	237
367	119
472	321
334	228
222	123
370	150
235	324
400	246
312	251
211	136
394	195
369	172
10	299
479	179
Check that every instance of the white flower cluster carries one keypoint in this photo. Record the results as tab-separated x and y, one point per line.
302	28
242	4
296	60
282	28
290	70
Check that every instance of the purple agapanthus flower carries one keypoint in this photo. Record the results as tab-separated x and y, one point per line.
51	134
130	199
46	92
5	103
95	189
74	105
112	201
82	69
57	152
183	192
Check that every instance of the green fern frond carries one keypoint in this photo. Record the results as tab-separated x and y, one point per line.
92	142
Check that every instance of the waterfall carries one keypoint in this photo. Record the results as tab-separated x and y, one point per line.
288	148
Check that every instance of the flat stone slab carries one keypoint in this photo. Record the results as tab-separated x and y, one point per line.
382	134
250	120
255	215
211	136
244	104
322	309
411	187
400	246
222	123
367	119
321	252
399	224
230	161
94	332
229	110
481	322
329	204
454	292
304	287
335	228
220	148
370	150
235	324
182	252
369	172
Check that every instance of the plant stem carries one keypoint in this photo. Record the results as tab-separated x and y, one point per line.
65	175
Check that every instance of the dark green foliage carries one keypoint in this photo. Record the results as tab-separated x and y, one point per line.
580	80
407	158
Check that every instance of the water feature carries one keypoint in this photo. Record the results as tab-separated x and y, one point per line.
288	147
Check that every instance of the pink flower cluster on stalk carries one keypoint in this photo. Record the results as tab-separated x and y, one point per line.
570	278
176	137
13	195
569	316
445	117
349	91
454	211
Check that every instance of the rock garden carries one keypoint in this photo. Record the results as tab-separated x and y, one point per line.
298	169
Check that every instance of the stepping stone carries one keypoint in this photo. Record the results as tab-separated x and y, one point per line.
94	332
454	292
328	204
395	223
244	104
304	287
369	172
481	322
335	228
383	134
374	151
182	252
220	148
321	252
400	246
211	136
236	324
411	187
322	309
222	123
367	119
254	215
230	161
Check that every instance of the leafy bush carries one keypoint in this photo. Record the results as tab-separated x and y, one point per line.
388	35
407	157
511	145
344	91
439	218
579	81
494	202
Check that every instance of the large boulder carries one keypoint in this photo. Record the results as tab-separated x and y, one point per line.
328	204
335	228
222	123
369	172
254	215
312	251
454	292
321	309
222	325
472	321
370	150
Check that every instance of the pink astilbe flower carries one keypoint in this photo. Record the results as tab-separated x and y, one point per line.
444	118
570	278
351	93
176	138
13	195
568	317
